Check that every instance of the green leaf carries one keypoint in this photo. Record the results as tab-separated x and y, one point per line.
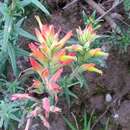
13	117
40	6
85	17
72	94
127	5
1	122
25	2
23	33
85	120
3	8
12	55
3	59
21	52
69	124
7	31
19	23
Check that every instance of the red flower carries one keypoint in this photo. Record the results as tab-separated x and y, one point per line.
64	58
36	83
36	52
36	66
52	85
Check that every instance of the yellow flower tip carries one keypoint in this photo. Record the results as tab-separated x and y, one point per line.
39	21
75	48
39	36
90	68
67	57
97	52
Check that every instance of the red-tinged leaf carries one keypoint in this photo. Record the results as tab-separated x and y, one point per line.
57	75
46	104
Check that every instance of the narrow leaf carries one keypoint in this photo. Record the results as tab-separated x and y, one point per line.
7	31
21	52
69	124
12	55
40	6
26	34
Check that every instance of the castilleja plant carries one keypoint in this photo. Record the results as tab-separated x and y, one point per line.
48	58
85	52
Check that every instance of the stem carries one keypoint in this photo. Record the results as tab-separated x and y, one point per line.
75	120
74	73
28	124
101	11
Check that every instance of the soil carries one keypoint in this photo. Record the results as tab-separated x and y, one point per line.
115	81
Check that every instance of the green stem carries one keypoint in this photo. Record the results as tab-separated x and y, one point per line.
74	73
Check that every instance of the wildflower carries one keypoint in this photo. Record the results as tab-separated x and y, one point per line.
97	52
87	35
36	83
49	38
37	53
51	49
52	85
19	96
43	72
46	106
62	42
49	108
35	112
57	75
90	67
64	58
75	48
36	66
55	109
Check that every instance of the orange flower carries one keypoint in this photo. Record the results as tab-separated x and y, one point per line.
48	36
52	85
35	65
64	58
62	42
45	73
90	67
36	83
97	52
68	59
36	52
87	35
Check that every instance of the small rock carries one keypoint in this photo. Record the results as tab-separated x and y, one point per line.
108	97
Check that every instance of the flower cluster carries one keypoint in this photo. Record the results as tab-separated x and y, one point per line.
86	37
49	56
